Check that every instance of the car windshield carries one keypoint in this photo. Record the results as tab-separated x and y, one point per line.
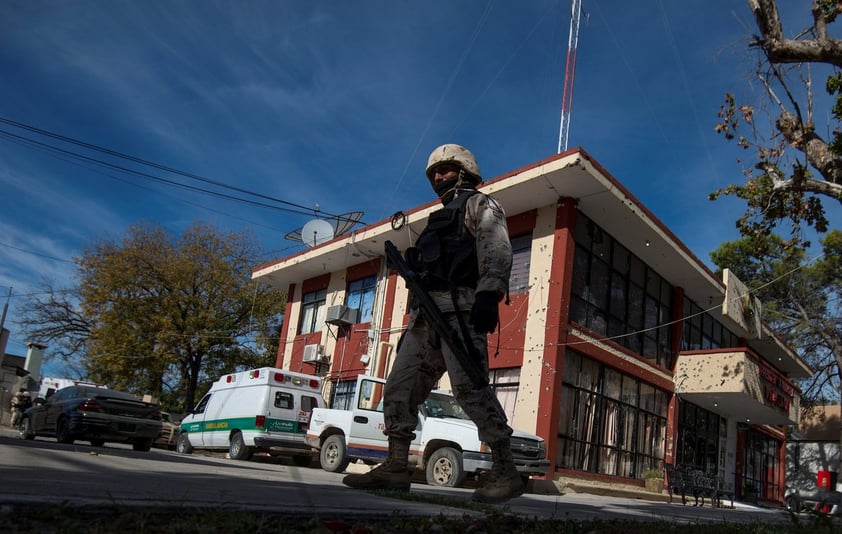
440	405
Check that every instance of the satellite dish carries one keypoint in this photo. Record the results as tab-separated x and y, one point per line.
339	224
316	232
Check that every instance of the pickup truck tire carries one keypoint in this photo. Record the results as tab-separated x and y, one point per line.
182	446
444	468
237	448
333	457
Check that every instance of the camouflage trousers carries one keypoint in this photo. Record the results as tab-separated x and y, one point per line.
421	360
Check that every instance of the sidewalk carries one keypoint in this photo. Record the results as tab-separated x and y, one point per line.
589	489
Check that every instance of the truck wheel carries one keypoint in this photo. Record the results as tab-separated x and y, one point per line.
238	449
333	457
444	468
183	446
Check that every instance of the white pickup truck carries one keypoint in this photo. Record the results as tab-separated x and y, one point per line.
446	445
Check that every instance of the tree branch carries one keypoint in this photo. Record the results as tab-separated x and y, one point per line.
821	49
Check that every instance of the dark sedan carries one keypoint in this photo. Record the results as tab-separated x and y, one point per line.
93	414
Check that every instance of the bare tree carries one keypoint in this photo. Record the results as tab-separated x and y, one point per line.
52	316
795	167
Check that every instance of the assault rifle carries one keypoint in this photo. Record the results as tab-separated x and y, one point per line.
465	352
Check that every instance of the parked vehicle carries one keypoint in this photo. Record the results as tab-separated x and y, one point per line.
169	432
264	409
93	414
50	385
446	447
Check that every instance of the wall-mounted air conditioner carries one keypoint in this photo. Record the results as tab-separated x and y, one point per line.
341	315
313	353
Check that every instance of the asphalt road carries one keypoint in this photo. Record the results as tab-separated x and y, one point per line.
43	471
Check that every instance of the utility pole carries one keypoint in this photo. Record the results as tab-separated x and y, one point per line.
569	74
3	337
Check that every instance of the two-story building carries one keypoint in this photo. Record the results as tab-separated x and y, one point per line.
619	346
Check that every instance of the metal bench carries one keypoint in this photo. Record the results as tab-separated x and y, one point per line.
683	480
677	482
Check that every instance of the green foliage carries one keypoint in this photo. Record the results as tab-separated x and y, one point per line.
653	473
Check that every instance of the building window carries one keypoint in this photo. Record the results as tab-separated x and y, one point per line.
618	296
761	466
703	332
610	423
361	296
342	396
521	252
312	312
698	438
505	383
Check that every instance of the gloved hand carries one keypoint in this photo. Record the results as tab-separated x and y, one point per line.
485	314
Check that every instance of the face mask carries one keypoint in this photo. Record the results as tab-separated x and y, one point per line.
446	188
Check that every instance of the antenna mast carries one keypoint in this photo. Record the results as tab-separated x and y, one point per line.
569	74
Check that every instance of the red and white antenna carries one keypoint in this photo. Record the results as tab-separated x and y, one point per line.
569	74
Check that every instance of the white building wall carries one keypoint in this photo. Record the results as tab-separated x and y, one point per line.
541	259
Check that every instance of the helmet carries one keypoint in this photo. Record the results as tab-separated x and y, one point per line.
455	154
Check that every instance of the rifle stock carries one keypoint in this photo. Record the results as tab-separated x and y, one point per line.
435	318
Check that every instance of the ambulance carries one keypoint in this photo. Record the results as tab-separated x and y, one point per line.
261	410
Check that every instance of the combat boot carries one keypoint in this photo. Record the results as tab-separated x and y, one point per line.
503	482
392	474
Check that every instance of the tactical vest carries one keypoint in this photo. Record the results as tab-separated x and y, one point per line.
448	251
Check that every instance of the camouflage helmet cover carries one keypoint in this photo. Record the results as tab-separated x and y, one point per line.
454	154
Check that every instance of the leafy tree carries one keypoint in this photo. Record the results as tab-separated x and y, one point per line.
802	302
793	168
168	315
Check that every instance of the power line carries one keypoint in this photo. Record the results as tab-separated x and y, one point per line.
149	163
35	253
145	175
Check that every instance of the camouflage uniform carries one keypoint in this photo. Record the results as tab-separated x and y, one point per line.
20	403
465	258
422	358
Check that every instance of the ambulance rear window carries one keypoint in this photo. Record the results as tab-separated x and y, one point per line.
283	400
308	403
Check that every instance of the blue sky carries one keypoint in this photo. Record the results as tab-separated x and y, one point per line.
308	101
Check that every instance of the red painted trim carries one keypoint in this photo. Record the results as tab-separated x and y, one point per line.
315	284
595	352
555	332
297	357
598	353
363	270
513	335
282	341
522	223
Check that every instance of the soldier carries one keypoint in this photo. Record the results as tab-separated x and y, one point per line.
464	257
20	403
